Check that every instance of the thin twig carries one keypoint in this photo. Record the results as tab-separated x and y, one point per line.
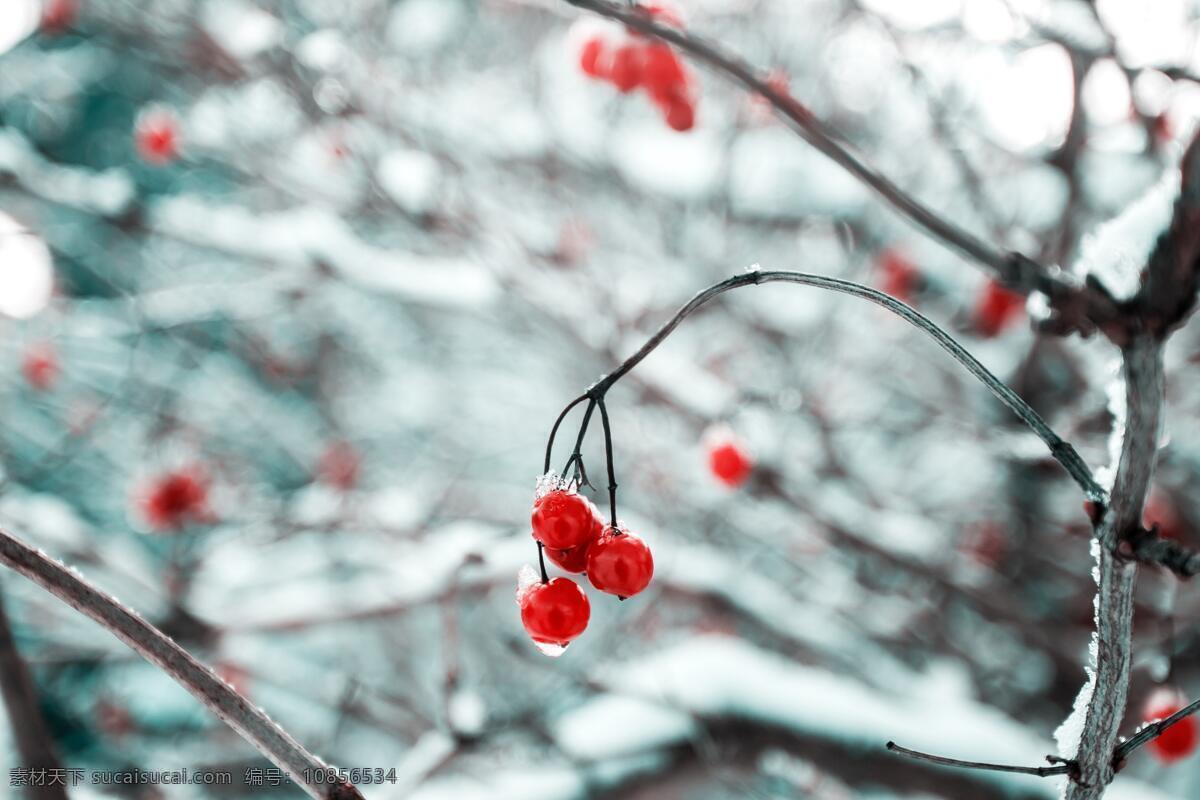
1063	768
1061	450
308	771
1079	307
31	734
1152	731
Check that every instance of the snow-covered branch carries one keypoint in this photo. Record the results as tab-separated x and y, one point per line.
307	770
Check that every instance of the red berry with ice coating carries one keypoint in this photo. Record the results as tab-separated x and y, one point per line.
729	462
619	563
40	366
554	612
996	309
156	136
562	519
1178	741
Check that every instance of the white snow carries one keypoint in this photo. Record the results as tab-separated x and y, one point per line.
613	725
26	270
651	156
18	19
775	175
411	178
1116	252
310	233
241	28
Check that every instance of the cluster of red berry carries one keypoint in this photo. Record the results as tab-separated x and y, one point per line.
629	60
573	534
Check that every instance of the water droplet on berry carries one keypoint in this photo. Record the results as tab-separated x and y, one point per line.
550	650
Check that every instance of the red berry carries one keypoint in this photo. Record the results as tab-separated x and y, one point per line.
626	69
996	309
176	498
662	73
900	276
619	563
729	462
572	560
40	366
1160	511
591	57
554	613
681	115
156	136
57	15
1177	741
339	466
562	519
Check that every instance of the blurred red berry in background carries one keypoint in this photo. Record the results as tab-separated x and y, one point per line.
40	366
996	309
174	499
156	136
1179	740
728	459
339	466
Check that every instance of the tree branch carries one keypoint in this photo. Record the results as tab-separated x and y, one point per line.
1114	598
1151	731
304	768
35	745
1076	307
1061	450
1059	766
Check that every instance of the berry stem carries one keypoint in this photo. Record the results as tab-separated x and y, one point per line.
608	454
554	431
542	562
577	455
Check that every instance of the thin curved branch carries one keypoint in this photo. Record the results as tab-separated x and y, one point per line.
307	770
1152	731
1060	768
1061	450
1078	307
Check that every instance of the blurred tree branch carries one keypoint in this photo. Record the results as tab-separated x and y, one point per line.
35	745
305	769
1076	307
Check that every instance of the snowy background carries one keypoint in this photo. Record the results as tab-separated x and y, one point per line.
410	231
